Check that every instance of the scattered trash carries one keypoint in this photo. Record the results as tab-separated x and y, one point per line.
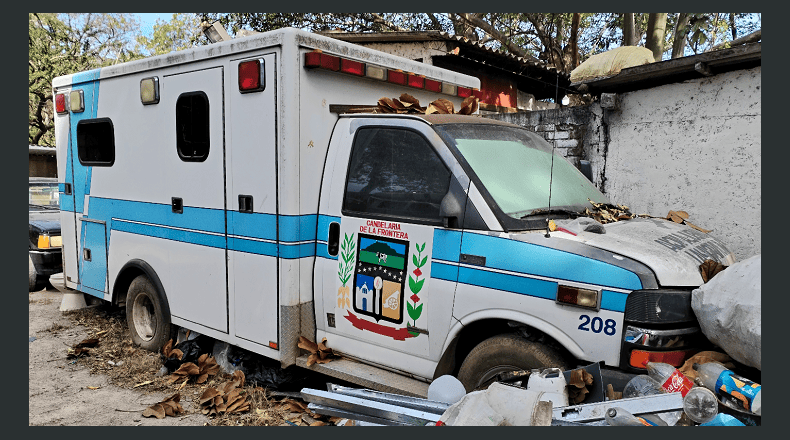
730	386
681	217
700	405
221	353
320	353
186	351
592	389
591	412
147	382
669	377
500	405
205	367
167	407
709	268
31	339
93	388
729	310
644	385
704	357
723	420
228	398
619	417
82	348
409	104
446	389
607	213
386	409
555	389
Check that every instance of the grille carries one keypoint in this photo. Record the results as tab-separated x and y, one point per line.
662	306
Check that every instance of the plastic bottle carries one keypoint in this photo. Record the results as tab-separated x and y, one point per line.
700	405
670	378
717	378
554	389
620	417
644	385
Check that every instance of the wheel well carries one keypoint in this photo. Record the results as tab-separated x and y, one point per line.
122	283
479	331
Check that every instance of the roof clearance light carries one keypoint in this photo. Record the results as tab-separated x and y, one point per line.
433	86
322	60
417	81
375	72
577	297
477	93
251	76
76	101
352	67
448	89
464	92
149	90
396	77
60	103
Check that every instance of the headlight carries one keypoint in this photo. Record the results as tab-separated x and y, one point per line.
661	306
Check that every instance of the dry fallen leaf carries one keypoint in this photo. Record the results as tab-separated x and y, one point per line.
167	407
147	382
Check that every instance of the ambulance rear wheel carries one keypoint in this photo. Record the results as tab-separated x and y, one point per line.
502	354
148	321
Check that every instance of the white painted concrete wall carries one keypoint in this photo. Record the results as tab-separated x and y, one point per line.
693	146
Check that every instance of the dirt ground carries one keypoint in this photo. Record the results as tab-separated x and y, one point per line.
115	382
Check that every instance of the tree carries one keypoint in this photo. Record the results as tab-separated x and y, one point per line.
656	24
59	44
181	32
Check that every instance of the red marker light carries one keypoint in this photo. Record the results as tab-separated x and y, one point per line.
352	67
433	86
416	81
464	92
60	103
396	77
250	77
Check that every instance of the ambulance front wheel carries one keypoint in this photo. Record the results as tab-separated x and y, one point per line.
146	315
502	354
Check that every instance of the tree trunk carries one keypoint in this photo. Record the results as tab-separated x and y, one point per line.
681	29
732	26
656	25
629	29
575	39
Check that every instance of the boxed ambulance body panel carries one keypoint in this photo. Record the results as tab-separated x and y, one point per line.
263	148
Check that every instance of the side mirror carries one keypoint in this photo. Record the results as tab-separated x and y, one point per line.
450	209
586	168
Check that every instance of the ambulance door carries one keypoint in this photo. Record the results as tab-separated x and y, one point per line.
252	199
190	179
386	290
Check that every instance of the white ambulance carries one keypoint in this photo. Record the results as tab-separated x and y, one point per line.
231	190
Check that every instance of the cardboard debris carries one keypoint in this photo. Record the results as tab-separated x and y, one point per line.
228	398
320	353
709	268
167	407
206	367
171	353
577	386
607	213
681	218
81	348
407	104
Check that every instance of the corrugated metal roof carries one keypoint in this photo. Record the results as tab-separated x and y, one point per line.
393	37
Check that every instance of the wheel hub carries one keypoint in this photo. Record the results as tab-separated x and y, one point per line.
144	317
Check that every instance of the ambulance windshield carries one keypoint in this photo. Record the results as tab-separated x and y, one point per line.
515	167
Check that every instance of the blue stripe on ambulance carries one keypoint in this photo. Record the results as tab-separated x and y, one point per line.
526	260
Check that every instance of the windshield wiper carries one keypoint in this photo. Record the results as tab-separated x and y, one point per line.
544	211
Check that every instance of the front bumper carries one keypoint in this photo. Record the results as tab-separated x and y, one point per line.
47	262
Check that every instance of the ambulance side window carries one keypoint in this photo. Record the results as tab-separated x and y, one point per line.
395	173
96	142
192	133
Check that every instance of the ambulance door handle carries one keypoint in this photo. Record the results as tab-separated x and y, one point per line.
245	203
177	204
334	238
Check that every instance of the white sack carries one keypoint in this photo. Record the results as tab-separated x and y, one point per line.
729	310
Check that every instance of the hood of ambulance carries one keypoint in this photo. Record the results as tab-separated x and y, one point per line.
672	251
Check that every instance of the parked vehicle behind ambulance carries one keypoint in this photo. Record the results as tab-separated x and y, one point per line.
234	190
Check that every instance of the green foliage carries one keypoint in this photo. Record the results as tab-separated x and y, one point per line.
59	44
181	32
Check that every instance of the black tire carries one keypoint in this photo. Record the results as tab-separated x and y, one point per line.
503	353
34	282
146	315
